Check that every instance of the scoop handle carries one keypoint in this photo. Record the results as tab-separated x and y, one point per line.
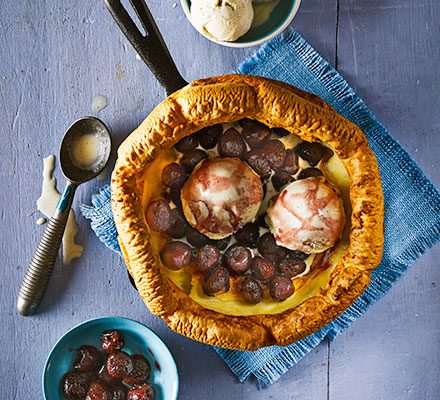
41	266
150	47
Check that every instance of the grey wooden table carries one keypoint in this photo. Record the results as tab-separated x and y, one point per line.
57	55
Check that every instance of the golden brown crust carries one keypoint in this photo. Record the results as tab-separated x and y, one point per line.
229	98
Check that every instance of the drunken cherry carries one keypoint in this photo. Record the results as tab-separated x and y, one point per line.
269	249
216	281
238	258
313	152
291	267
275	153
309	172
87	359
222	244
208	136
119	364
262	268
195	238
255	134
257	161
187	143
248	235
99	391
231	144
281	287
176	255
207	257
160	216
111	340
251	290
141	371
75	385
179	227
192	158
144	392
174	176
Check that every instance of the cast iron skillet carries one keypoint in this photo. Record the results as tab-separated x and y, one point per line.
150	46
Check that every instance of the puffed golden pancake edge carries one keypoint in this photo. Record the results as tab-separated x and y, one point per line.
230	98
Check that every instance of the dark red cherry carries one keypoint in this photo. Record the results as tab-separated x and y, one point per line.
248	235
160	217
174	176
222	244
231	144
291	267
255	134
75	385
105	377
111	340
141	371
251	290
208	136
257	161
275	153
119	364
179	227
192	158
216	281
312	152
281	287
238	258
187	143
176	255
309	172
88	358
269	249
144	392
195	238
99	391
207	257
262	268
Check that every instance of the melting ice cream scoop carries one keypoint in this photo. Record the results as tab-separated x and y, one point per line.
308	216
221	196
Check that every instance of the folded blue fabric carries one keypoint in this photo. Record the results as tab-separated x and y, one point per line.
412	217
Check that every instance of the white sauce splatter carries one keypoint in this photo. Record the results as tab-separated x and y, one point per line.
47	203
99	102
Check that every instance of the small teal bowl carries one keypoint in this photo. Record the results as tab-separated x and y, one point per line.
280	18
138	340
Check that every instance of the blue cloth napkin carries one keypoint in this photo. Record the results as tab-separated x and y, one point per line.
412	204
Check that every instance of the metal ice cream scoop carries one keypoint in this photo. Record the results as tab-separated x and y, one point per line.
84	153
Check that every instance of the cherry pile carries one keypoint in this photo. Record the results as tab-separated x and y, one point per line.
272	266
111	374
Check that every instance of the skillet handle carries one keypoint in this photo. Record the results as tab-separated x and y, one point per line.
151	47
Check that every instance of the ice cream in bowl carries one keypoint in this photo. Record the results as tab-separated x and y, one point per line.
240	23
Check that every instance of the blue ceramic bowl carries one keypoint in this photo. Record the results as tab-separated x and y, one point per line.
138	340
281	16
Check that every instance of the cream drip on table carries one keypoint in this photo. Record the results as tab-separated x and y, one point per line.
99	102
46	204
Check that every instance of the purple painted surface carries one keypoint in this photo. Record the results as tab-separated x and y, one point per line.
58	55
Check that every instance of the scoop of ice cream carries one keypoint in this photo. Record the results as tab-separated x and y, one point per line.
223	20
221	196
308	216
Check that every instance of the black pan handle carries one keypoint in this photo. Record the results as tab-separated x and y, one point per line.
151	47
